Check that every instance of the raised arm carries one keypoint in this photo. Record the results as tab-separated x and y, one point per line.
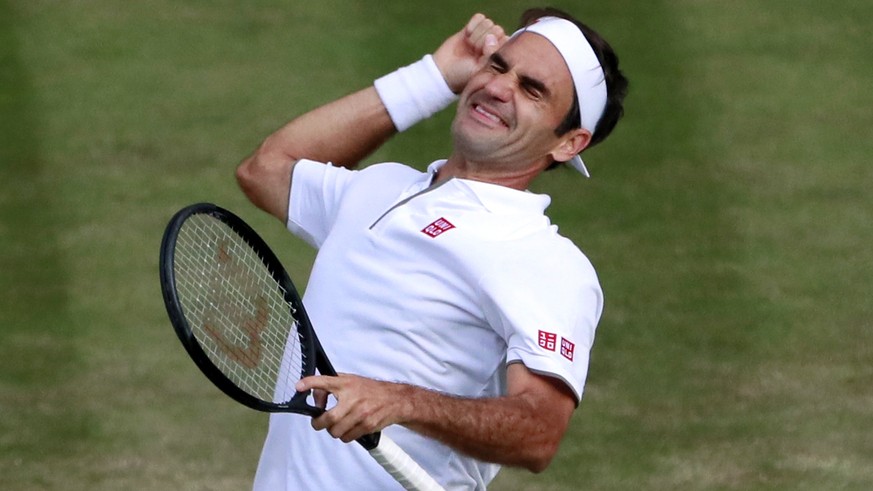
342	132
347	130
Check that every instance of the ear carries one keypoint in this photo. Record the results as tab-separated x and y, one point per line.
571	144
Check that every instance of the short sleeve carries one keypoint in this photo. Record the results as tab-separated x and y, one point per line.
547	308
316	192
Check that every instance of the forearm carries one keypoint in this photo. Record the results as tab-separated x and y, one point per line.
348	129
342	132
522	429
507	430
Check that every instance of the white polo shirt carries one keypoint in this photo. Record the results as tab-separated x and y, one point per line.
437	286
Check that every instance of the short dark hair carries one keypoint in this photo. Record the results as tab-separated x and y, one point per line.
616	83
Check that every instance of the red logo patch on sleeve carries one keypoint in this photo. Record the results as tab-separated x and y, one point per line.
567	349
548	340
436	228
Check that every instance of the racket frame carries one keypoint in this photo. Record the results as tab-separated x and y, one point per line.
297	404
384	450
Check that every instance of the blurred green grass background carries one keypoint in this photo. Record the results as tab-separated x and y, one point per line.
728	217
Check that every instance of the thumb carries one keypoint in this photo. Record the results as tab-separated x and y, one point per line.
491	45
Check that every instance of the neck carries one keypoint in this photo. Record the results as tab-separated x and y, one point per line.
514	177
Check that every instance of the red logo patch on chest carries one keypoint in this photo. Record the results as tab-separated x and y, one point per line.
436	228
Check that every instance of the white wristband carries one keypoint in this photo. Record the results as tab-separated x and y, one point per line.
414	93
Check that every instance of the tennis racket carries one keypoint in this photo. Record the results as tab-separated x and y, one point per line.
240	318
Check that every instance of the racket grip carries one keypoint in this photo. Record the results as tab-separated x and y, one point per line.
401	466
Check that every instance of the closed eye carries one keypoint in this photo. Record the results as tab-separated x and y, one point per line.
534	88
498	63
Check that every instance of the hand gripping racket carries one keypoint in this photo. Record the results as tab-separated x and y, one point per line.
241	320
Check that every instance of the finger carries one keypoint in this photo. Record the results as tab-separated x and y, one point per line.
344	430
500	34
330	419
320	398
352	426
322	382
491	40
497	31
357	432
352	435
473	22
339	423
491	45
320	422
482	28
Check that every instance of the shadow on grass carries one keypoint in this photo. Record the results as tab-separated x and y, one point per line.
36	347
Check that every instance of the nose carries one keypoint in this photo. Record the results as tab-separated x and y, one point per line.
500	87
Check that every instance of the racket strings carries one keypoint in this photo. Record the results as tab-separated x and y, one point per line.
236	310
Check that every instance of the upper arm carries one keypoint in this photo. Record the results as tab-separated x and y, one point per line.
549	405
552	397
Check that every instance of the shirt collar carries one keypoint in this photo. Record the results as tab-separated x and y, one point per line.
494	197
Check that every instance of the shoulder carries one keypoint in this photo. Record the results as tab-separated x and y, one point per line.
390	170
379	185
543	258
338	183
384	169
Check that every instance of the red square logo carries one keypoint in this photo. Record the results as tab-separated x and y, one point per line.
548	340
567	349
436	228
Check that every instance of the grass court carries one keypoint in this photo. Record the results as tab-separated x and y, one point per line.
729	218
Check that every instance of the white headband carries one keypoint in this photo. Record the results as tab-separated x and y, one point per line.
585	70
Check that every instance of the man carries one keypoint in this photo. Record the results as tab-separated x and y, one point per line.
462	321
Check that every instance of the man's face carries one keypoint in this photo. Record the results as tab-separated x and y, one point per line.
510	108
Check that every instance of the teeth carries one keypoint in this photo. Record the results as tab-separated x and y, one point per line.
489	115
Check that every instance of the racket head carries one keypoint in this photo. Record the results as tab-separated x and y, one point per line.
236	311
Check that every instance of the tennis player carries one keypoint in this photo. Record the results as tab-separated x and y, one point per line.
460	319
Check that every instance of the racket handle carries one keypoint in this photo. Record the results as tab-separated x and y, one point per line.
400	465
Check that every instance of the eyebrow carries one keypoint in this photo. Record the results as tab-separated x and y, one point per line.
499	60
526	81
534	84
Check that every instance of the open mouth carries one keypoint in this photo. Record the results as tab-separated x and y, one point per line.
486	115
